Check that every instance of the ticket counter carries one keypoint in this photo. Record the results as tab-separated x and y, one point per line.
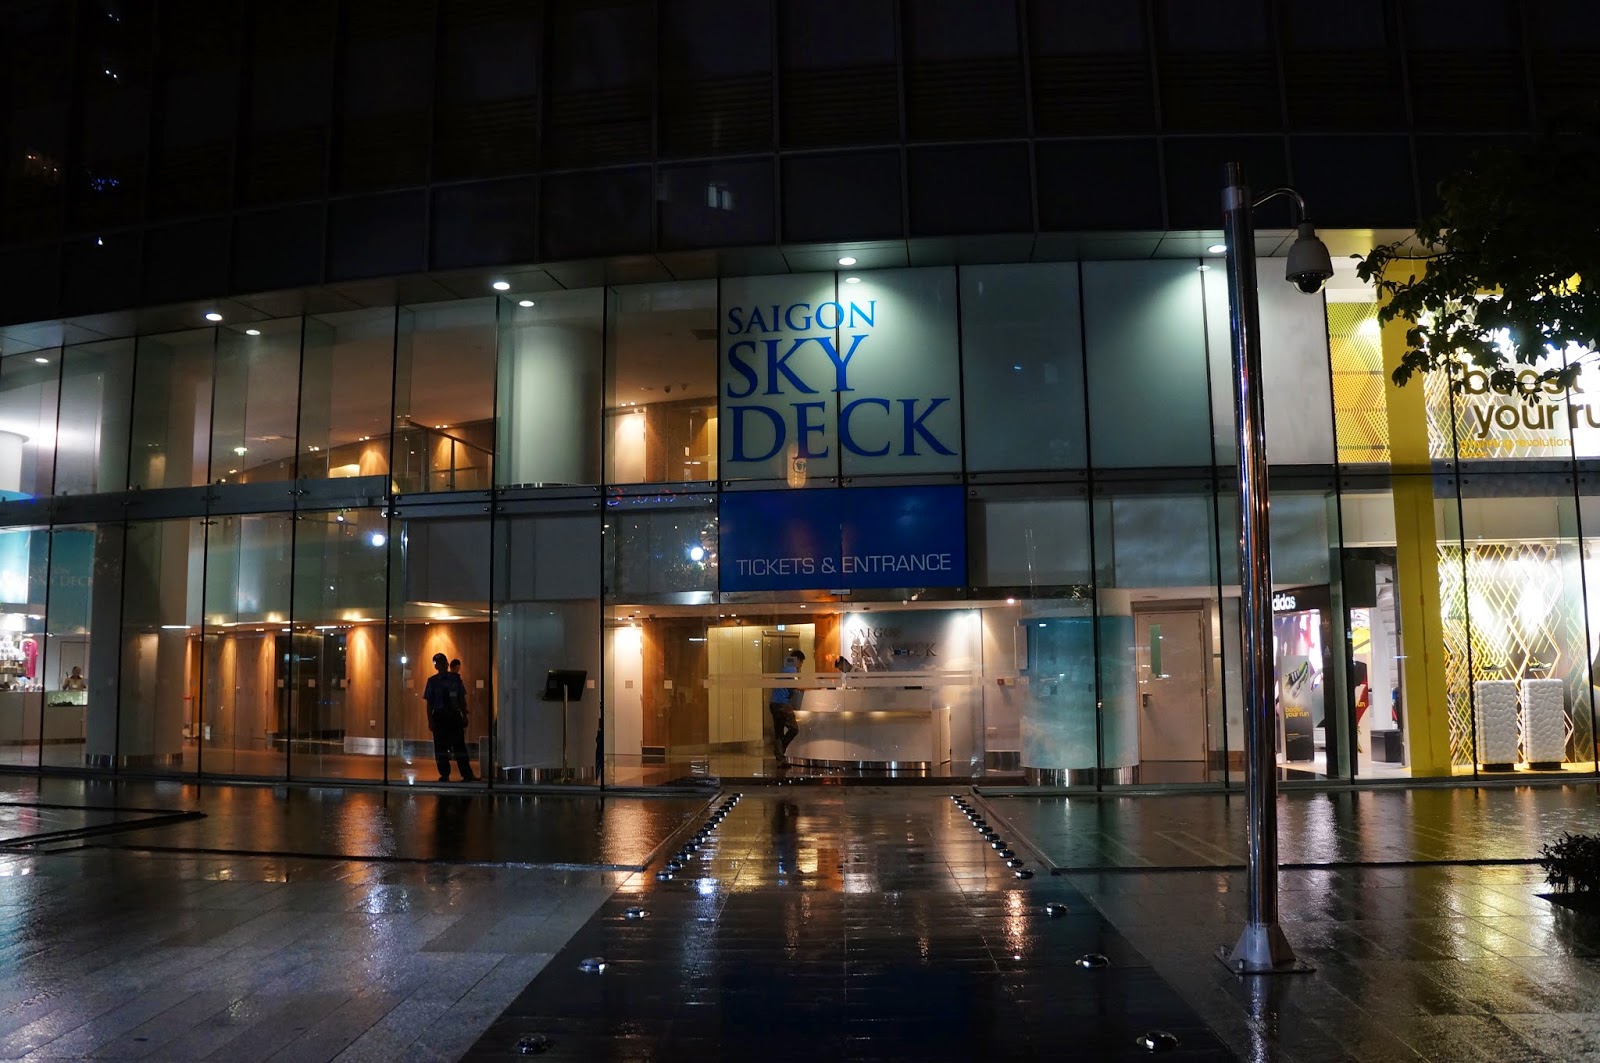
895	722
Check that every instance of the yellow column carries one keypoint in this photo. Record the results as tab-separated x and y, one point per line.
1417	562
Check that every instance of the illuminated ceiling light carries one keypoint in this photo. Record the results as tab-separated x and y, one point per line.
377	538
524	302
240	450
212	315
1203	268
852	280
847	261
1217	249
501	286
42	360
252	332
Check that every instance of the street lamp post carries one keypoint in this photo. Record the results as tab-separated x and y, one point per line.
1262	948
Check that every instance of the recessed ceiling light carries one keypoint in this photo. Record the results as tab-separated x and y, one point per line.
852	280
501	286
525	302
212	315
847	261
1203	268
252	332
1217	249
41	359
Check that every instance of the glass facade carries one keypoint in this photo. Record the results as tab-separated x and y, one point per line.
992	505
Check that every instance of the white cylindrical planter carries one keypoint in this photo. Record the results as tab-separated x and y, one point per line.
1495	709
1544	722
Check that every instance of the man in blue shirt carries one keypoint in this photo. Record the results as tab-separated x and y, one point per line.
782	702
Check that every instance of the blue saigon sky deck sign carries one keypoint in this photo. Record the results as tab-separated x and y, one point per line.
821	377
842	538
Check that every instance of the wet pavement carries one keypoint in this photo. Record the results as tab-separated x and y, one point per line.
165	921
386	926
1380	825
818	923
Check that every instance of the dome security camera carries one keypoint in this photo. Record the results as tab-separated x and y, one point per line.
1309	266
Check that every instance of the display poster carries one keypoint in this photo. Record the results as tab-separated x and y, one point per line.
1298	639
842	538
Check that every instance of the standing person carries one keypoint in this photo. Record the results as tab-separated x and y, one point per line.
466	712
782	704
446	697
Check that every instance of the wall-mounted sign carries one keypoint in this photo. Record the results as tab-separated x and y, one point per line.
1284	603
821	376
842	539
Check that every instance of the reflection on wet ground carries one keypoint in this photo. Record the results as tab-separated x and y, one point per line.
855	924
584	830
374	926
1350	826
816	922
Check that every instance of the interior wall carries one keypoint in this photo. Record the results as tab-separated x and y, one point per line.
625	682
467	640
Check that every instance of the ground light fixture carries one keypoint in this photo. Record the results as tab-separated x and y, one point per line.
1262	947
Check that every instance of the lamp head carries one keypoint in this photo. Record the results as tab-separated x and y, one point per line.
1309	266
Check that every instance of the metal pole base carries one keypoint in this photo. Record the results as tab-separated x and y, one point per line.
1262	949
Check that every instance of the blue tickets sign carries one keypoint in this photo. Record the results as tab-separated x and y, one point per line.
842	538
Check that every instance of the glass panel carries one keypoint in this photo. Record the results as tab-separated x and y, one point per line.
346	392
23	558
253	425
28	391
661	383
547	617
444	397
1360	394
160	677
1022	367
1376	682
245	702
1308	618
549	392
1039	642
334	651
439	605
171	439
92	445
898	388
780	359
661	549
1033	544
82	598
1157	585
1511	585
1145	336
